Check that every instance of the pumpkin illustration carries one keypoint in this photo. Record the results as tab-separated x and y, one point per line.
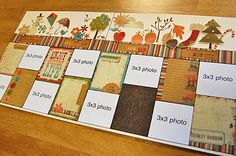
136	39
150	37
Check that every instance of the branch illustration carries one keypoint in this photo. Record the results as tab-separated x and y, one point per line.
159	28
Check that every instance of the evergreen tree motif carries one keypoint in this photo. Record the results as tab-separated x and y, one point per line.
211	33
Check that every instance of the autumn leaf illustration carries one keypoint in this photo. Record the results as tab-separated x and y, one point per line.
178	30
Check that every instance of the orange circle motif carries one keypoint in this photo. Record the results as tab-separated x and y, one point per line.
111	88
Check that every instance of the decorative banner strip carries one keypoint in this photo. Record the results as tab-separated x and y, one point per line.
226	148
95	44
61	42
198	54
162	79
70	43
228	57
143	49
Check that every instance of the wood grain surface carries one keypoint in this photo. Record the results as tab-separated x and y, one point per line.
23	133
134	109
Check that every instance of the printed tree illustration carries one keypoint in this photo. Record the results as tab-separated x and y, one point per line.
159	28
211	33
99	23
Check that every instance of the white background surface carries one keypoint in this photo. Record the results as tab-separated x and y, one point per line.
149	19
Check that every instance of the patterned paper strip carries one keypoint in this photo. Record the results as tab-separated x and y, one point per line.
197	54
53	41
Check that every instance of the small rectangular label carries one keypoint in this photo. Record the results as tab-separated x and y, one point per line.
202	55
32	39
70	43
206	136
132	48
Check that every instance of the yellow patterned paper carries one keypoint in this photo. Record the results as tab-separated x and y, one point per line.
213	121
70	98
11	58
110	72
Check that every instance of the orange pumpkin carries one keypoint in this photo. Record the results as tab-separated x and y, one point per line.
136	39
150	37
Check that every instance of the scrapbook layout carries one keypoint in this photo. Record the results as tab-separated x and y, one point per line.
160	77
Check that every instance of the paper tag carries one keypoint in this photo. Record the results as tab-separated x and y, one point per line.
144	71
4	81
171	122
207	136
203	55
99	108
33	57
41	96
216	79
82	63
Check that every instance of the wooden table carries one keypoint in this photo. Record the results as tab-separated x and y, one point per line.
24	133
